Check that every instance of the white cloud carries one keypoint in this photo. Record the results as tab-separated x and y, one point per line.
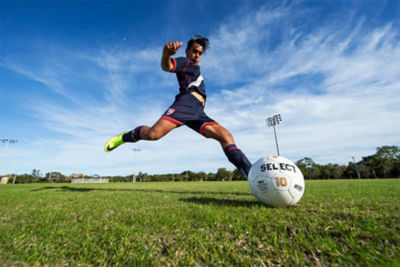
348	111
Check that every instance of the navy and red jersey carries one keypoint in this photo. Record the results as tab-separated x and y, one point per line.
188	75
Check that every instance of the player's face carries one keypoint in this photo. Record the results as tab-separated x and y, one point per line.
195	53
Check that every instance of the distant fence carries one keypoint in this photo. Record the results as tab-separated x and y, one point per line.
89	180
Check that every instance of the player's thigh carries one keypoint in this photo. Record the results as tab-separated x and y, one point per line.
161	128
219	133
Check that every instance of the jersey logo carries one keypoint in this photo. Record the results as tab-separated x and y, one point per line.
170	111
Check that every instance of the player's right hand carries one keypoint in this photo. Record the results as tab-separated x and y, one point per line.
171	48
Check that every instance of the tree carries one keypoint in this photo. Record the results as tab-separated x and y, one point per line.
335	171
385	162
202	176
389	156
55	177
238	175
324	171
389	152
223	174
36	173
306	166
371	163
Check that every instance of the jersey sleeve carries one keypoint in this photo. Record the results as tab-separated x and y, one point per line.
179	64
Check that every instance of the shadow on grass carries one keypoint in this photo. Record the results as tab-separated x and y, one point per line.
222	202
196	200
183	192
64	188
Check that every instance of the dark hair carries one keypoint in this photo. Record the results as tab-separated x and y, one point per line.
203	41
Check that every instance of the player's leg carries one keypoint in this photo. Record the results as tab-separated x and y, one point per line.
217	132
158	130
173	117
225	138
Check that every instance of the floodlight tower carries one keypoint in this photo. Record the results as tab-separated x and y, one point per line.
273	121
134	176
7	141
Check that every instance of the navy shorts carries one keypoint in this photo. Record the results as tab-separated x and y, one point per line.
187	110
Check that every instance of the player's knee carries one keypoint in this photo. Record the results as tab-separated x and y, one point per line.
227	141
153	135
226	138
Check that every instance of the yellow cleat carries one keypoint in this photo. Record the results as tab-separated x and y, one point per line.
114	142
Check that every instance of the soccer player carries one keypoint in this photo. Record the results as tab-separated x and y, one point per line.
188	107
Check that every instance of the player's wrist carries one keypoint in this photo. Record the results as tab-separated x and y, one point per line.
166	55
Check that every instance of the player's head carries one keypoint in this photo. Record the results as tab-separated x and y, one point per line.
196	47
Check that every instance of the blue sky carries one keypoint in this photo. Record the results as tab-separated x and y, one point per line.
74	73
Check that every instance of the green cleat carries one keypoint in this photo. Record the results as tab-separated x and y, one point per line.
114	142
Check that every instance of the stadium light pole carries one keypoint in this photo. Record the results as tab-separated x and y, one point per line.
7	141
134	176
273	121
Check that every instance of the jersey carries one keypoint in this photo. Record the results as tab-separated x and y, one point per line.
188	75
186	109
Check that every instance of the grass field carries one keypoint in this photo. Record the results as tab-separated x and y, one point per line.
345	222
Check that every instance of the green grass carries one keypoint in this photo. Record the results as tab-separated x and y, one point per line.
345	222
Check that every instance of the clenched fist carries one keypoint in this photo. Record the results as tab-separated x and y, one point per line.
171	48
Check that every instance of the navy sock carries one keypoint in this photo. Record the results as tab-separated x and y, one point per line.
238	159
132	136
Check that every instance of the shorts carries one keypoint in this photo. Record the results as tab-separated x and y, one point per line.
187	110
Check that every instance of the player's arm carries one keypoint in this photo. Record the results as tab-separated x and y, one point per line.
169	50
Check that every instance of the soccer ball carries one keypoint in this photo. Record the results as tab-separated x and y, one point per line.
276	181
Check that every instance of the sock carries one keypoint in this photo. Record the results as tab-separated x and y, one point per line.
238	159
132	136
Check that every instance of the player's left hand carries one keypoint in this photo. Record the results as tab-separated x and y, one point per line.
171	48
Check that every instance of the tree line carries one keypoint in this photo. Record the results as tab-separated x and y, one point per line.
385	163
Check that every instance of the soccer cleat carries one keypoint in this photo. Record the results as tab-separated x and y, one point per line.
114	142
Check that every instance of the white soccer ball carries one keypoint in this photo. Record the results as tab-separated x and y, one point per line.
276	181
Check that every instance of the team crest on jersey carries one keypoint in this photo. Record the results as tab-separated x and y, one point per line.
170	111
